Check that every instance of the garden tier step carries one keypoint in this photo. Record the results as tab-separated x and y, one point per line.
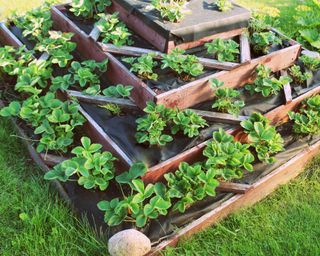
186	94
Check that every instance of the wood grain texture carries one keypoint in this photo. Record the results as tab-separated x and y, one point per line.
245	52
7	37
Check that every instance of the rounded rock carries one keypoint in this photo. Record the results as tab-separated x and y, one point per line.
129	242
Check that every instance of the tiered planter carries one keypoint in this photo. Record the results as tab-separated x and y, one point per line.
190	93
196	94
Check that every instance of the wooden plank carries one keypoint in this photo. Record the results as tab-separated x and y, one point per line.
51	160
245	53
95	32
7	37
136	51
259	190
287	88
99	99
220	117
200	90
236	188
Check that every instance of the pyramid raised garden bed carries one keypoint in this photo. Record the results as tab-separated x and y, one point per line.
282	85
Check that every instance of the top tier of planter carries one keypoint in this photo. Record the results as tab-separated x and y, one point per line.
201	21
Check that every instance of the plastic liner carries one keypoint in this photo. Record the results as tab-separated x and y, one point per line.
122	130
202	19
85	201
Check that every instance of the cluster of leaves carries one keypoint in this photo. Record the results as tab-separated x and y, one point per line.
114	109
118	91
265	83
225	50
226	158
263	20
310	63
35	24
87	9
308	20
58	46
92	167
184	65
298	76
189	184
85	74
152	126
263	137
143	66
170	10
263	41
224	5
142	203
307	120
112	30
226	98
53	119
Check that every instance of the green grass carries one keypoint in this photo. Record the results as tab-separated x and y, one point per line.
286	223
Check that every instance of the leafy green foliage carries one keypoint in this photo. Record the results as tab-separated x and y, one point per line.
298	76
263	41
52	119
112	30
263	137
150	128
224	5
61	82
143	66
118	91
88	8
225	99
307	119
225	50
189	184
58	46
226	158
114	109
308	20
142	204
93	168
184	65
265	83
310	63
170	10
35	24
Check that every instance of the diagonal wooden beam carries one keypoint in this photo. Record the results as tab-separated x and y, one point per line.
245	53
220	117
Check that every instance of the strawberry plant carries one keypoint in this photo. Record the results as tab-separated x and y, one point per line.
224	50
118	91
143	66
226	158
184	65
310	63
189	184
35	24
263	41
114	109
265	83
92	167
112	30
52	119
141	205
88	8
58	46
61	83
188	122
307	119
224	5
298	76
170	10
263	137
225	99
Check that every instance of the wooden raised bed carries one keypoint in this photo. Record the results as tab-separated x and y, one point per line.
190	93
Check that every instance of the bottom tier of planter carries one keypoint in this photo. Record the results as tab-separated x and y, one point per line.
167	230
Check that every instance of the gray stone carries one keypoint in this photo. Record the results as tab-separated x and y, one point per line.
129	242
311	54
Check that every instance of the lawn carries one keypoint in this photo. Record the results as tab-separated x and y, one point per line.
34	221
